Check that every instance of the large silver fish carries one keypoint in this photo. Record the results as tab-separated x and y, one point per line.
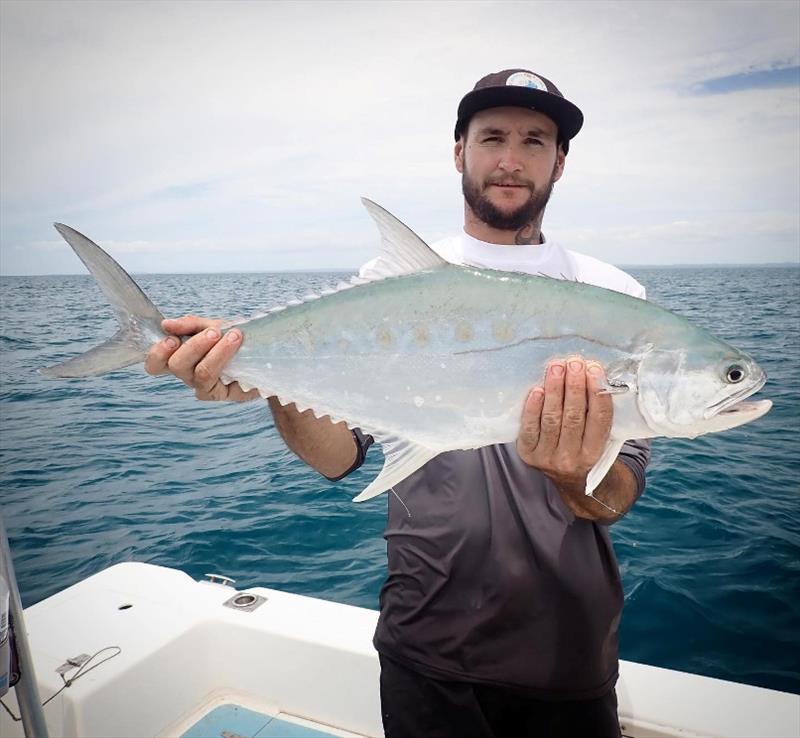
431	357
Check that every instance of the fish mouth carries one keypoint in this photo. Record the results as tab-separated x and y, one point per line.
730	404
734	411
747	408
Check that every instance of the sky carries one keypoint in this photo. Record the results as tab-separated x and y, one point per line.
240	136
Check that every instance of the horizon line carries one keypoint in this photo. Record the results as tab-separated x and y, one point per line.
347	270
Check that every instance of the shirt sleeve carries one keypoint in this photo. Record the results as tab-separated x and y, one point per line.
636	456
363	442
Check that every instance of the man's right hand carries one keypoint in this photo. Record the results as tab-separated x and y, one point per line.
198	361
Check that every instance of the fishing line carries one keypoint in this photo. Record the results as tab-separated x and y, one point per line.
401	502
82	671
607	507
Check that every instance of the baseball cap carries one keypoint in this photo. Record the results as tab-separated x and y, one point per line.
524	89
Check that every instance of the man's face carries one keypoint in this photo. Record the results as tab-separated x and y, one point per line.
509	160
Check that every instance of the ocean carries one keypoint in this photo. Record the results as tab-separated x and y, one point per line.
128	467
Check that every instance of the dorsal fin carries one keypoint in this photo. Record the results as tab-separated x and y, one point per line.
402	250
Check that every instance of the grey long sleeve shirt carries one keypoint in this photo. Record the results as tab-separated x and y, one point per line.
492	579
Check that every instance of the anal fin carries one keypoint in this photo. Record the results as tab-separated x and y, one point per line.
403	458
604	463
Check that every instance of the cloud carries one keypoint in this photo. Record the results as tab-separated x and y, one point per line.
259	125
756	79
766	237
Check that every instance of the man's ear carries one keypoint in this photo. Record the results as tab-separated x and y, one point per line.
458	155
561	160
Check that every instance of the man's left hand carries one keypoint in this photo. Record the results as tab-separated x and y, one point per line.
566	423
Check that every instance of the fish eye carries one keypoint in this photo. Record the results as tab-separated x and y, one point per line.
734	374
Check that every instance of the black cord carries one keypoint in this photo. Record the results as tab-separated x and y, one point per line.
82	670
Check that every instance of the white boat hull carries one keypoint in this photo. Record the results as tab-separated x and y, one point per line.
183	653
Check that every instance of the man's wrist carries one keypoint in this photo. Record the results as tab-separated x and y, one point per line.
587	507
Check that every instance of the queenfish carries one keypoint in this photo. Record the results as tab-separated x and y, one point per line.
428	356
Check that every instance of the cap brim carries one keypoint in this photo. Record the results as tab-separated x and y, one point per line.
566	116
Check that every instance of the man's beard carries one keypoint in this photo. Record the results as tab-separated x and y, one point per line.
529	212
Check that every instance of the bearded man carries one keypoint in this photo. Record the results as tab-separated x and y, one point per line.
500	610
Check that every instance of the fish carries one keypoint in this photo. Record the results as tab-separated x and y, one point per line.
428	356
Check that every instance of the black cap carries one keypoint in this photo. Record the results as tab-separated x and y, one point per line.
524	89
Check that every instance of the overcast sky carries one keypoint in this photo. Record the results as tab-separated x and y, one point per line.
239	136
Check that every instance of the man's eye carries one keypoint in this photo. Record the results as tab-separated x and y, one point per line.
491	139
534	141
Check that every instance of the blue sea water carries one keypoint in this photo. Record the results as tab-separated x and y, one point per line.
129	467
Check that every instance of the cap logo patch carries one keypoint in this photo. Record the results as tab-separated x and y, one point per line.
526	79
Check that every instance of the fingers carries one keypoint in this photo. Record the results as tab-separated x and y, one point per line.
573	416
158	357
528	437
184	361
552	408
198	362
565	425
188	325
216	351
600	412
157	360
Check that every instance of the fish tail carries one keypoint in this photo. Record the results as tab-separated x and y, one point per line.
139	319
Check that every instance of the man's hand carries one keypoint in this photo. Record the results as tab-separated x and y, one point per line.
566	424
327	447
565	428
198	362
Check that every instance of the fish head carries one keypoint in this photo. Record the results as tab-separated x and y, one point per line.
684	393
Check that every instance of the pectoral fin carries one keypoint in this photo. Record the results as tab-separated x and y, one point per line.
623	376
604	463
611	389
403	458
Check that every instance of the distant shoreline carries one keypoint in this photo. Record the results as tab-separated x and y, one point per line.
354	270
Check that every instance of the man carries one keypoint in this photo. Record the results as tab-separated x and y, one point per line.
500	611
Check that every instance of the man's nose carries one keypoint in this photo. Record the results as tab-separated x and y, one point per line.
510	160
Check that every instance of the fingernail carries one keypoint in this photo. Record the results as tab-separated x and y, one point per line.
575	366
232	336
557	370
212	334
171	342
595	370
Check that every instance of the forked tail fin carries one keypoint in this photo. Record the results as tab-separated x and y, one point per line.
139	319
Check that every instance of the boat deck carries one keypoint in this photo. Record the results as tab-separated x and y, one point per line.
235	721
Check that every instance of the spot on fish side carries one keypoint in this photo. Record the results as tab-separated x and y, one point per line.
384	336
502	331
464	331
421	334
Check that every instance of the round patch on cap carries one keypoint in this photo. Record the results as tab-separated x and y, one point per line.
526	79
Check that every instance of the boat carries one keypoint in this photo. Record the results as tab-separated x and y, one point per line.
143	650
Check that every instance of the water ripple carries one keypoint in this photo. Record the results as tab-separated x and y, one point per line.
130	467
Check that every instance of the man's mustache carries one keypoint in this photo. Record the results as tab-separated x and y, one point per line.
506	181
